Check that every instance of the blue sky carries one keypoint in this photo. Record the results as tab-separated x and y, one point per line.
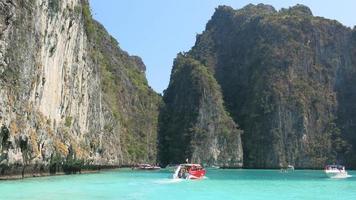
156	30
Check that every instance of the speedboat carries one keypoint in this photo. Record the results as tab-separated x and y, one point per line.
336	171
146	167
189	171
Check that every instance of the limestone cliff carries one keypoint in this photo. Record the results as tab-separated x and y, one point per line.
287	79
69	96
194	123
71	99
278	71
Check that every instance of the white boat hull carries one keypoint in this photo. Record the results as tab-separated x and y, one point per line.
336	174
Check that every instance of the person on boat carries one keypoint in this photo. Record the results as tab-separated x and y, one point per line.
180	173
184	173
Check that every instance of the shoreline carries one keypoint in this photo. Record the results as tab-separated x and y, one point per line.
18	175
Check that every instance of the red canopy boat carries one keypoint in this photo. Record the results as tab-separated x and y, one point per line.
189	171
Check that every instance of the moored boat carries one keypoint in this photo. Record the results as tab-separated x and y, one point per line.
336	171
215	167
146	167
287	169
189	171
290	167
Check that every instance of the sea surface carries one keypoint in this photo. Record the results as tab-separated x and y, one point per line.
219	184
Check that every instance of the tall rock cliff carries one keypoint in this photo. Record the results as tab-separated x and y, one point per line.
69	96
346	87
194	123
287	78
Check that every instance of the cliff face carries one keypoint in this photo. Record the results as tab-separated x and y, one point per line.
194	123
346	89
69	95
70	98
287	79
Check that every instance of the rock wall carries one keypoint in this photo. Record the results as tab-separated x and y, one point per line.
69	96
71	99
286	78
194	124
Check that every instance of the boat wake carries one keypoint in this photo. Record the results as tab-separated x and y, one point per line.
169	181
341	176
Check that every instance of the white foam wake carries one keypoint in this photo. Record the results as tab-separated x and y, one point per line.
175	175
169	181
341	176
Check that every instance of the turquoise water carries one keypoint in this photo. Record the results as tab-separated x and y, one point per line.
219	184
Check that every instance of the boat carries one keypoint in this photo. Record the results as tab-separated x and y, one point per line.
189	171
290	167
287	169
146	167
336	171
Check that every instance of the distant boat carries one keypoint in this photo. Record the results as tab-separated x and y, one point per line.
288	168
146	167
336	171
189	171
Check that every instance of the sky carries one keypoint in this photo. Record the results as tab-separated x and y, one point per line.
156	30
